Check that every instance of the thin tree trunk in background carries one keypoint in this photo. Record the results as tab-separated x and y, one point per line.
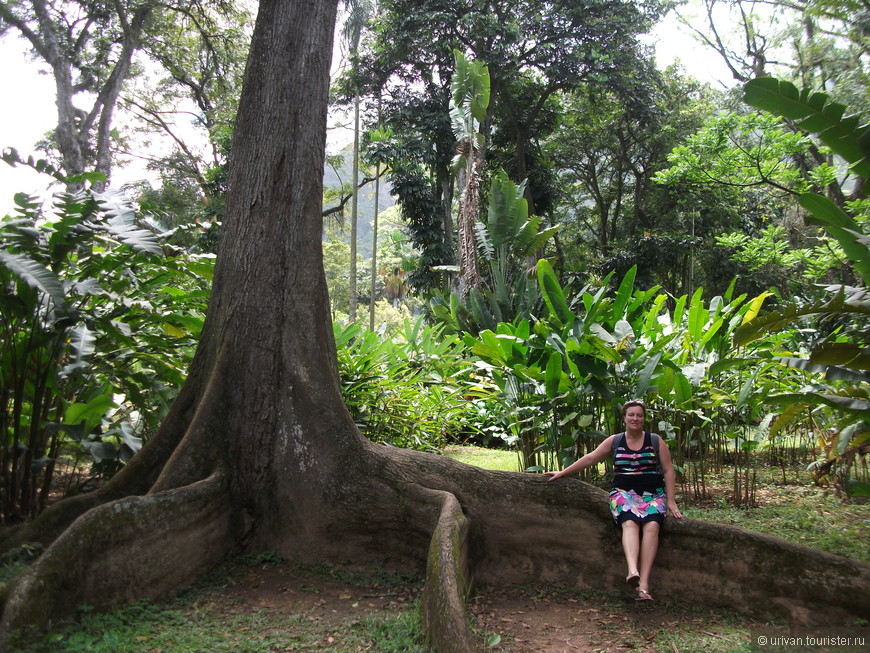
374	248
469	275
354	212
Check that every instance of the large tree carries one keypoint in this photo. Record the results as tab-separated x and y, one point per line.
89	48
408	61
818	44
609	148
260	453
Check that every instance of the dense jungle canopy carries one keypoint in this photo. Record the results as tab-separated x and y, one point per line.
540	223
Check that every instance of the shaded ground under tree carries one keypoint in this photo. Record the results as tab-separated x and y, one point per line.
259	453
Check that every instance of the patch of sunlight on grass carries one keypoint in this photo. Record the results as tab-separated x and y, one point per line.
499	459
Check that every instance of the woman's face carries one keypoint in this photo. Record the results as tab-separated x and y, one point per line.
634	417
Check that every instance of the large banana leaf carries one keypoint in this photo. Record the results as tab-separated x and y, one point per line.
698	315
855	405
842	227
553	295
90	413
647	373
652	325
846	354
529	239
623	293
507	212
856	301
814	114
82	342
553	374
470	85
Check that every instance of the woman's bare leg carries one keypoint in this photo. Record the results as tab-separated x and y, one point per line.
649	546
631	544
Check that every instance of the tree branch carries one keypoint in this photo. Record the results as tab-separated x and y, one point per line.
339	208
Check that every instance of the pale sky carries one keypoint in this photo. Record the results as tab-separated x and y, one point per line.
26	113
28	109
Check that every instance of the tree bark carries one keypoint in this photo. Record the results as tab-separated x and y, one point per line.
259	452
469	275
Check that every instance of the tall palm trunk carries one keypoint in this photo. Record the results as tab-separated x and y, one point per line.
354	212
469	275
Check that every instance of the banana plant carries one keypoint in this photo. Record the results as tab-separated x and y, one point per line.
528	375
505	241
683	361
843	355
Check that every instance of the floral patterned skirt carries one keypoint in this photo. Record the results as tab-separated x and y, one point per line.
628	505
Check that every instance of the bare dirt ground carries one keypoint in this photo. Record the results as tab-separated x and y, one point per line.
509	620
548	622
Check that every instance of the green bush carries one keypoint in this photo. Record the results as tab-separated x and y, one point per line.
98	327
406	390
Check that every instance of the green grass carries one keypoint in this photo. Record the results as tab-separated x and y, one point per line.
208	619
806	515
498	459
179	629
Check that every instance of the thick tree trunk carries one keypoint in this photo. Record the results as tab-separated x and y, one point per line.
259	452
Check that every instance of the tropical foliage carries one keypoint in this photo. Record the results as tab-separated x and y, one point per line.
841	352
408	389
506	241
633	234
98	326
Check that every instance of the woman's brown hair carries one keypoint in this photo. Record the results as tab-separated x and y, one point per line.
632	404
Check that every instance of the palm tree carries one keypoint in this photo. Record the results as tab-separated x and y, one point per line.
470	88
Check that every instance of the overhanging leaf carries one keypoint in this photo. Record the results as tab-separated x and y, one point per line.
553	374
36	276
843	354
847	404
776	320
843	228
814	114
831	372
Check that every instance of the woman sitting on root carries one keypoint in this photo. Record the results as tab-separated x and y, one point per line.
642	494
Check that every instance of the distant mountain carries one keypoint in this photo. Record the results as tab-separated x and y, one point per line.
334	177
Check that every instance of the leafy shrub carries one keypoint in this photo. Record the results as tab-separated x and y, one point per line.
407	390
97	327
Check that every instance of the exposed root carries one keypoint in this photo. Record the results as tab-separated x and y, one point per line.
132	548
445	617
523	529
